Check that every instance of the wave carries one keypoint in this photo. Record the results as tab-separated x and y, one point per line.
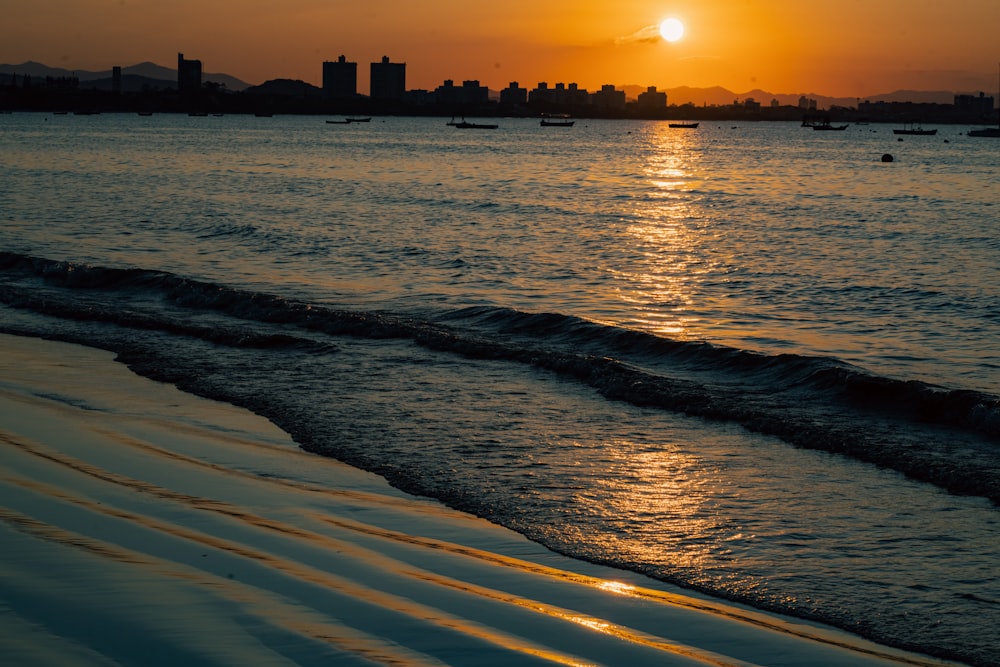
944	436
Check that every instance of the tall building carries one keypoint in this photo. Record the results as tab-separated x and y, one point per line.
609	98
188	75
514	95
340	78
652	100
388	80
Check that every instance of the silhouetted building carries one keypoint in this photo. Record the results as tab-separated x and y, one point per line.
651	100
974	106
541	94
188	75
513	95
608	98
388	80
116	80
340	78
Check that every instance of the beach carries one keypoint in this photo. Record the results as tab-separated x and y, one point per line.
146	526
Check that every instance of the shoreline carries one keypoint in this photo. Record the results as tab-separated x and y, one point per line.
147	526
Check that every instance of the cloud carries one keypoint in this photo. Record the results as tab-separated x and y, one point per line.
648	34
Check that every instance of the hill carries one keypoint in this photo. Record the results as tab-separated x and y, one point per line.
153	75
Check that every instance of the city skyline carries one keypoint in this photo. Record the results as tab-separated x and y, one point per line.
776	45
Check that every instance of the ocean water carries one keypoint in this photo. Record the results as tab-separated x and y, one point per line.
751	359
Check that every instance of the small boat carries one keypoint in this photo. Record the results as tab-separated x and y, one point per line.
914	129
466	125
359	120
822	124
557	121
145	113
684	126
338	122
825	126
199	114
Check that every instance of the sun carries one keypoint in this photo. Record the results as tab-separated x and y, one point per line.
671	30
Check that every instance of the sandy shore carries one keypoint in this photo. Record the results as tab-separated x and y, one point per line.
143	526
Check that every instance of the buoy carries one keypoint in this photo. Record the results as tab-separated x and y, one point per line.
887	157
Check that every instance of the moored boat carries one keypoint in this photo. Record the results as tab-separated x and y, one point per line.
913	129
686	126
465	125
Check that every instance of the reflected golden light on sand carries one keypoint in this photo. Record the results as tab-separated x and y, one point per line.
667	236
618	587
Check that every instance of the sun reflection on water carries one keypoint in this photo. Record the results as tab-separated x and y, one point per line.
666	240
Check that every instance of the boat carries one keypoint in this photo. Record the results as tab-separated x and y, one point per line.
913	128
989	131
557	121
359	120
685	126
338	122
826	126
145	113
822	124
986	132
465	125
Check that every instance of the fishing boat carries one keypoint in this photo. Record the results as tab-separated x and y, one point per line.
685	126
822	124
465	125
986	132
825	126
914	129
557	121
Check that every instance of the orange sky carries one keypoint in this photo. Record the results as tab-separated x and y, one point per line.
848	48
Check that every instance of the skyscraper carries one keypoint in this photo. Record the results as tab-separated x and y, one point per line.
340	78
388	80
188	75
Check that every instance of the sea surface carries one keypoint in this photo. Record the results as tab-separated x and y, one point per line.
751	359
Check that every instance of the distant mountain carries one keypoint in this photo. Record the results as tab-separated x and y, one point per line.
157	76
285	88
721	96
918	96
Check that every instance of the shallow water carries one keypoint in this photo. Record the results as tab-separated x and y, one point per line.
516	322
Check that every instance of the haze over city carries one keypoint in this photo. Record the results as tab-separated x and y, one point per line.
851	49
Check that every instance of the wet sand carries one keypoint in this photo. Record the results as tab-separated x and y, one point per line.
144	526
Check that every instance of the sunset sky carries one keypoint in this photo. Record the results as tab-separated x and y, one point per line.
848	48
